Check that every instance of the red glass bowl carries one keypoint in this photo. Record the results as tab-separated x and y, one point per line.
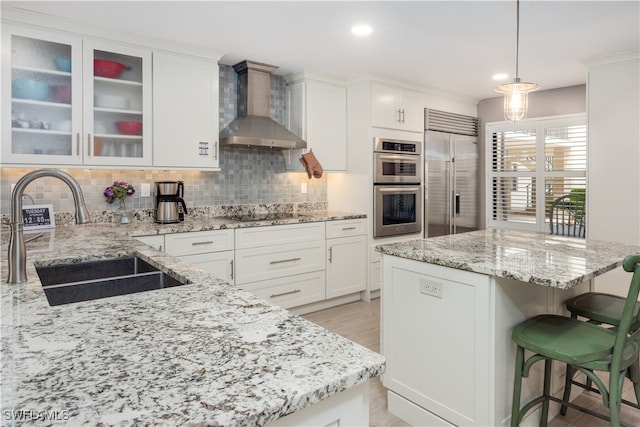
106	68
129	128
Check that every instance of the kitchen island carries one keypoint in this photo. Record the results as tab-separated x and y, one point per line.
205	353
449	304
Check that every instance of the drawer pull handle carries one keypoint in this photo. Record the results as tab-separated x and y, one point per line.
285	260
348	228
295	291
202	243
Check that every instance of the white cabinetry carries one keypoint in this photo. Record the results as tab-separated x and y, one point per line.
346	260
348	408
306	266
421	344
318	114
213	251
283	264
375	268
117	116
38	125
185	112
396	108
68	98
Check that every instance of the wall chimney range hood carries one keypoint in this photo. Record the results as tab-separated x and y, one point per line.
254	126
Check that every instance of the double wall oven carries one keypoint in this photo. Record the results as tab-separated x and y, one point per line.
397	187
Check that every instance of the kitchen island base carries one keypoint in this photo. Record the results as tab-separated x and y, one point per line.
446	335
348	408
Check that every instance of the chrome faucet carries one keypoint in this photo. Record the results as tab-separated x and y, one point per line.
17	250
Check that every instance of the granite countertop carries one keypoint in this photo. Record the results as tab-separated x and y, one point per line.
203	353
538	258
244	220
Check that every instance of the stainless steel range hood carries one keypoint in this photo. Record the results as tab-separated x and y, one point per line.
254	126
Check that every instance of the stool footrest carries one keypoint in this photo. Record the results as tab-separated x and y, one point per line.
585	410
595	390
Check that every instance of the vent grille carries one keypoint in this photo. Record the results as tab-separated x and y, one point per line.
442	121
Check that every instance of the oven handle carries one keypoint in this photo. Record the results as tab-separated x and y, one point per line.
385	189
405	157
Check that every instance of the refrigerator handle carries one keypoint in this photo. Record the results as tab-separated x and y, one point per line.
457	197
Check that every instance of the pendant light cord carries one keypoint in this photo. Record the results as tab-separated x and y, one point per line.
517	33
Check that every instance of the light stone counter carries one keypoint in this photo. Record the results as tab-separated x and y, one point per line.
537	258
206	353
199	222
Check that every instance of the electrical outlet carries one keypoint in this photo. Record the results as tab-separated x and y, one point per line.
431	287
145	190
303	188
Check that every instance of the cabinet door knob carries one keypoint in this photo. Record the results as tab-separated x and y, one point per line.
330	254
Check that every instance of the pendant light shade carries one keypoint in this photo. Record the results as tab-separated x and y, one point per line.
516	94
516	99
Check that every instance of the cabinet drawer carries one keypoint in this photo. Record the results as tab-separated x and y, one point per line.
290	291
198	242
220	264
255	237
270	262
345	228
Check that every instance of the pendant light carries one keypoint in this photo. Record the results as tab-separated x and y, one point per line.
516	94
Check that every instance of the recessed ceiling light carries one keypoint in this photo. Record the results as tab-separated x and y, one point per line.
500	76
361	30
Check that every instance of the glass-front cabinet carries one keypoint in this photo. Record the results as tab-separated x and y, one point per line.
42	116
74	101
117	124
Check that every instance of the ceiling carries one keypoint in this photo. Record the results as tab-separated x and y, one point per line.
455	46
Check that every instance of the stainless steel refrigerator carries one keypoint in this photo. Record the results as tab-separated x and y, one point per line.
451	174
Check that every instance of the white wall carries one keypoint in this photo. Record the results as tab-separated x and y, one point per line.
613	205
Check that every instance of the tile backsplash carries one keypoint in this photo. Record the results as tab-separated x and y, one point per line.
247	176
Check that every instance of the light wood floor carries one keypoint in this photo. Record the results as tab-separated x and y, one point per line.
360	322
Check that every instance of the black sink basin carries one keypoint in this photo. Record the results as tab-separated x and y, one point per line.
67	283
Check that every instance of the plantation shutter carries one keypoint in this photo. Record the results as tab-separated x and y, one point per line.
532	164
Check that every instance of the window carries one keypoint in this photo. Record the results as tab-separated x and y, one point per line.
530	164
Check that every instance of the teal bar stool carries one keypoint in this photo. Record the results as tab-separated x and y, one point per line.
586	348
600	309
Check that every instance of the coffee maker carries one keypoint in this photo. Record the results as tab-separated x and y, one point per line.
170	206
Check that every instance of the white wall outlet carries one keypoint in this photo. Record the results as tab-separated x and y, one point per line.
145	190
431	287
303	188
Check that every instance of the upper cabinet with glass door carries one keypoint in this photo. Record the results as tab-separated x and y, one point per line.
42	117
74	101
117	96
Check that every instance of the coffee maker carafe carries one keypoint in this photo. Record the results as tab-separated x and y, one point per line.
170	206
